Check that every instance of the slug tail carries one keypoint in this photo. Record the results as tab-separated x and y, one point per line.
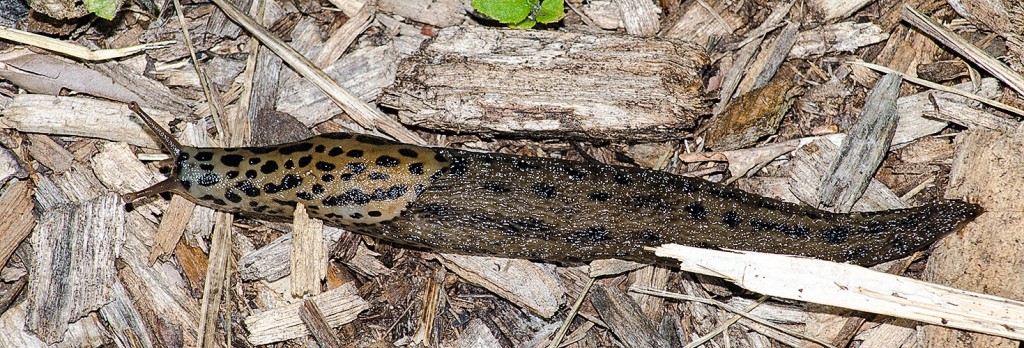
893	234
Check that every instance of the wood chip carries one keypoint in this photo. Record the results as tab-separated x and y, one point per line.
986	170
76	276
512	81
79	116
863	148
625	318
308	254
16	208
339	306
640	17
318	326
519	281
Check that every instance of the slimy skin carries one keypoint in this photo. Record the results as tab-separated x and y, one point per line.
546	209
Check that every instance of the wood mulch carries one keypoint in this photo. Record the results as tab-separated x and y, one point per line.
775	98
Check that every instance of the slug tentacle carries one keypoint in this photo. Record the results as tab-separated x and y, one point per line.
526	207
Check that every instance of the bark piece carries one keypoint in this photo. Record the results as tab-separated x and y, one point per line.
639	17
751	117
838	37
308	255
73	272
625	318
340	305
270	262
521	282
808	168
551	84
318	326
85	117
987	170
18	219
863	148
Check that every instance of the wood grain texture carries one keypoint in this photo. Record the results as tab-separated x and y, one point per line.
985	255
551	84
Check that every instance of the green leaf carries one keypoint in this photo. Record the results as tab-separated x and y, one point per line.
551	11
505	11
525	24
105	9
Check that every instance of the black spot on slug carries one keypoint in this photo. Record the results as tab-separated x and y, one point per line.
337	151
575	175
186	184
254	161
320	148
346	177
545	190
251	174
379	176
356	168
732	219
290	149
204	156
599	196
356	216
304	195
231	174
248	188
325	166
213	199
387	161
408	152
269	167
208	179
697	211
304	161
231	160
288	182
416	168
440	158
592	234
327	178
856	253
649	236
232	196
374	213
289	164
622	179
459	167
318	189
206	166
353	196
495	187
391	193
292	204
355	153
835	234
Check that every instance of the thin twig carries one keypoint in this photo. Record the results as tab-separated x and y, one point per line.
943	88
73	49
572	314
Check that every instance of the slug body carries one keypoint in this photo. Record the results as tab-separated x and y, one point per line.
547	209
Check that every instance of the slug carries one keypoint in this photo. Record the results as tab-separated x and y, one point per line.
546	209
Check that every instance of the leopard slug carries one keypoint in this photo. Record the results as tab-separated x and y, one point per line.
547	209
